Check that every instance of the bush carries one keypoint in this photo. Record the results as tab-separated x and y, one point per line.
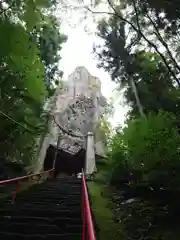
151	147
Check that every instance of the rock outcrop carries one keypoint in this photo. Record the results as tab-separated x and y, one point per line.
77	107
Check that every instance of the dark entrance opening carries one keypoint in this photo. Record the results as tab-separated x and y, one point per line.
65	162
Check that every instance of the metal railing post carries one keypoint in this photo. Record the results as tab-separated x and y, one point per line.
88	232
17	189
19	179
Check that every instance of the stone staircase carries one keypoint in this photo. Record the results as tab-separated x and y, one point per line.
47	211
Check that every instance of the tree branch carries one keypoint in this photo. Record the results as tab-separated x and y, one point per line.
163	42
66	131
140	32
97	12
14	121
153	45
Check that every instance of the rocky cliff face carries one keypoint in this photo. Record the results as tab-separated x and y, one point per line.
77	107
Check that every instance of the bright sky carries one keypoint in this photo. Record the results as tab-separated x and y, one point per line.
77	51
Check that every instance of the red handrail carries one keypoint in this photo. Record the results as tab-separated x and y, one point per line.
88	232
19	179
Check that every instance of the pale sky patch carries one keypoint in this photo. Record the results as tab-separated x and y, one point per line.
78	51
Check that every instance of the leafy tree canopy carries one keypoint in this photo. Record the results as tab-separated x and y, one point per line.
30	49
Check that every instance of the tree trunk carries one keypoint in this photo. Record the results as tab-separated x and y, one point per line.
134	89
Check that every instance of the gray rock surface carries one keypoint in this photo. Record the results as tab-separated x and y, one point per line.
77	106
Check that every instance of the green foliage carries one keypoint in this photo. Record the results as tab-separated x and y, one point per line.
50	41
149	146
153	82
104	129
22	92
23	85
145	168
140	50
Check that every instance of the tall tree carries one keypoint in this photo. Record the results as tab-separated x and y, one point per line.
148	83
22	84
114	56
50	40
149	29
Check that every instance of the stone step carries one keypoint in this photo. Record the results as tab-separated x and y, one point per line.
47	211
39	212
38	228
67	221
49	200
48	203
56	186
29	228
45	201
54	221
65	236
47	196
25	219
54	207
